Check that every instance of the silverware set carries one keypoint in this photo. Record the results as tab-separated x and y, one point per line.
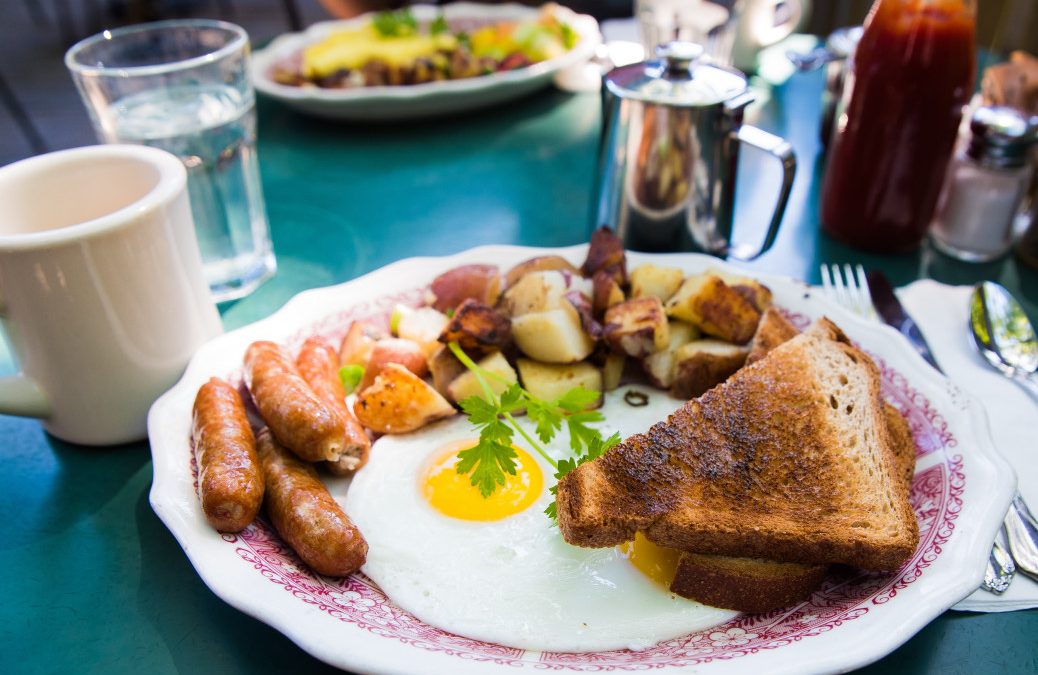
1005	338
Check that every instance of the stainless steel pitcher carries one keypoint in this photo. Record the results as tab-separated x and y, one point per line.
671	132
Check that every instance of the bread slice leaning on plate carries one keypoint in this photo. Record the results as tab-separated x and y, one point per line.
791	460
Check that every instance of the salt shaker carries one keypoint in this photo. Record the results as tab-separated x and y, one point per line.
985	184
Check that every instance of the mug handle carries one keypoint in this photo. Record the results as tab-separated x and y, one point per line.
20	395
780	149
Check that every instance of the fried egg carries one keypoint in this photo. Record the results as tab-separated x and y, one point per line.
497	569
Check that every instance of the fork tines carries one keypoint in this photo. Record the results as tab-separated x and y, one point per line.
848	286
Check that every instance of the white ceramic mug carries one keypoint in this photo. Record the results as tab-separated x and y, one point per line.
102	294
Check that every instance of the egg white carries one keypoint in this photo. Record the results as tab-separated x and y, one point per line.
514	581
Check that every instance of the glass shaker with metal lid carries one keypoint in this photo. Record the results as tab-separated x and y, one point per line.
672	128
985	186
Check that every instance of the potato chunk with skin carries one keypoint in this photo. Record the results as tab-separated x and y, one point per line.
605	293
481	283
660	366
422	325
356	346
478	327
715	308
757	293
542	291
637	327
444	368
466	384
399	401
655	280
393	350
613	371
541	263
549	381
553	337
702	364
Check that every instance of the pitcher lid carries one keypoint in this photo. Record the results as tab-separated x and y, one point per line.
679	76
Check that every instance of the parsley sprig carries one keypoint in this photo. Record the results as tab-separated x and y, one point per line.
492	458
398	23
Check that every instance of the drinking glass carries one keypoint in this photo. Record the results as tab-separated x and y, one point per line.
183	86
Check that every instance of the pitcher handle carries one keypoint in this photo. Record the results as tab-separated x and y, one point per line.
20	395
780	149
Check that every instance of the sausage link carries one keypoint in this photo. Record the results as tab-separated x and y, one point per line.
318	363
305	515
230	481
297	417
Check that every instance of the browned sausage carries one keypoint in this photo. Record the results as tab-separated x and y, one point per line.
318	363
230	481
305	515
297	417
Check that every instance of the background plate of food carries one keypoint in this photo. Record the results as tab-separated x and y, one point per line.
443	592
423	61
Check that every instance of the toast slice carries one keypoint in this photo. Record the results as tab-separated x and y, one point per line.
789	460
772	331
755	585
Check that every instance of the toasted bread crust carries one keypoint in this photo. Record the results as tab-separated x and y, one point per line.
762	466
755	585
745	584
772	331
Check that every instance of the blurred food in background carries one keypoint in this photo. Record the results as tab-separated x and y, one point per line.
394	48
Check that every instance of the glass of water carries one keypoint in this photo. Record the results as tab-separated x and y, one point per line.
184	86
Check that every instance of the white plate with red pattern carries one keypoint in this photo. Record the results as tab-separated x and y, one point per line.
961	490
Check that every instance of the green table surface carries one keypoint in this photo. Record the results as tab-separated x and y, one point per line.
93	582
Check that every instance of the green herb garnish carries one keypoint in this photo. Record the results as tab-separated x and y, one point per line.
596	448
439	25
399	23
492	457
350	376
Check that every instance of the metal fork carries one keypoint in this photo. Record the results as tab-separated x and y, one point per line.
849	287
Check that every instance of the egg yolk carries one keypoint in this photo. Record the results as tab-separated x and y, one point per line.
453	494
656	562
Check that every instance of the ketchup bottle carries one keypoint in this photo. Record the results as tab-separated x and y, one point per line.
912	74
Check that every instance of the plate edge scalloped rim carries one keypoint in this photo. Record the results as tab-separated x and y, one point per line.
881	642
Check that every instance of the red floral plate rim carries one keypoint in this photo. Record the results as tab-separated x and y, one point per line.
960	490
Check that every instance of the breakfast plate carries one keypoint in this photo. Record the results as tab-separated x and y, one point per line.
400	102
961	490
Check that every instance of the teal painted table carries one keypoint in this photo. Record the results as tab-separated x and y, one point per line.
93	582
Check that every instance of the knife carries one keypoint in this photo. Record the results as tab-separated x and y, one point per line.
893	314
1000	568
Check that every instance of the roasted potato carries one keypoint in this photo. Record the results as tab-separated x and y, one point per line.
423	326
655	280
393	350
444	368
606	253
466	384
481	283
356	346
612	371
399	401
660	366
710	304
757	293
554	336
477	327
637	327
703	364
605	293
549	381
541	263
542	292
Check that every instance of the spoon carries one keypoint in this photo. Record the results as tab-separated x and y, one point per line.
1006	339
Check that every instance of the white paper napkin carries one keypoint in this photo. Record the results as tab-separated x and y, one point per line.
941	313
